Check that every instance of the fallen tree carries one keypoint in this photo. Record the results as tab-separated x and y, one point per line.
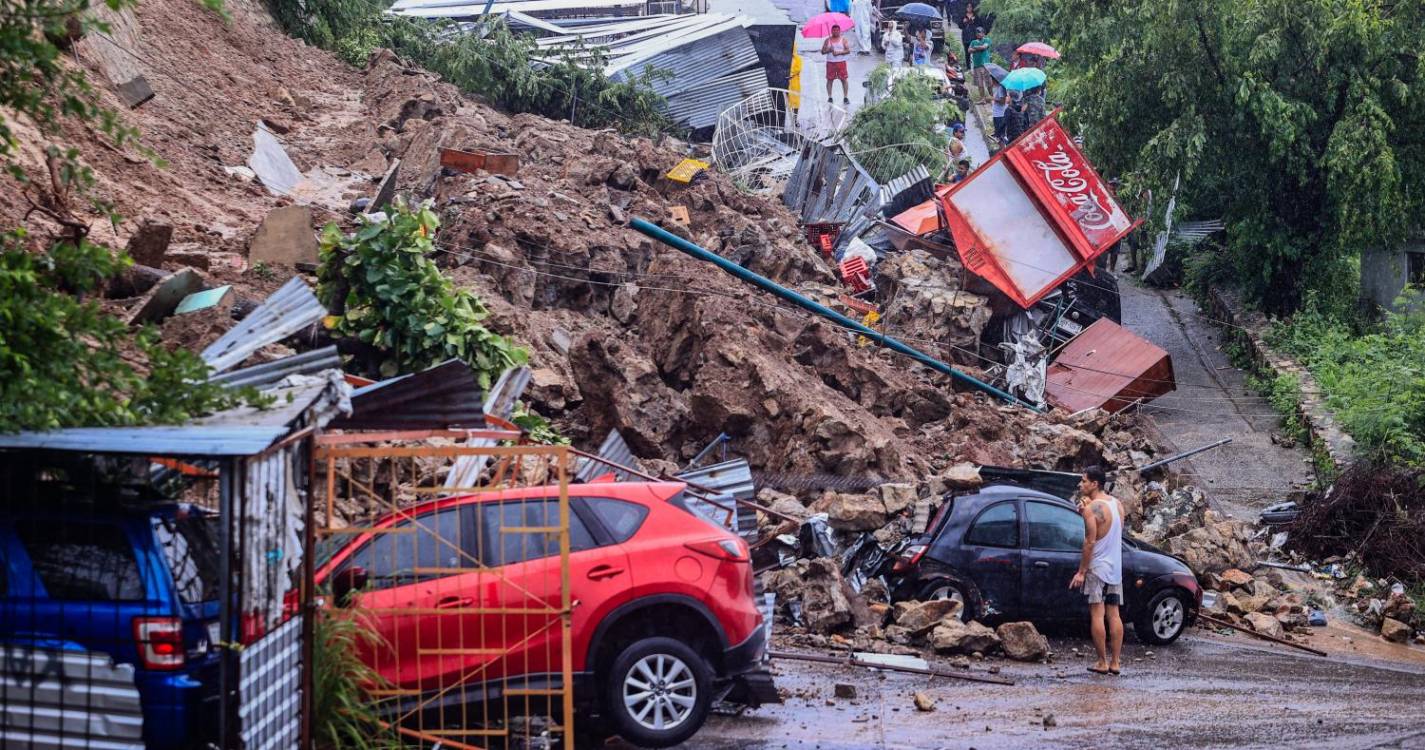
1374	511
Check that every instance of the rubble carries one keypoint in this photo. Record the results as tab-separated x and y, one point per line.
1021	641
923	702
1394	630
844	690
917	616
1265	624
952	636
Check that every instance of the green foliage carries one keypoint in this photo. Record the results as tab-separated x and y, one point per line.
1300	122
1020	21
505	68
894	135
65	363
1283	392
342	716
536	427
1374	383
386	292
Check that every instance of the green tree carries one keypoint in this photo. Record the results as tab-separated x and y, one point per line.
63	361
894	135
1301	122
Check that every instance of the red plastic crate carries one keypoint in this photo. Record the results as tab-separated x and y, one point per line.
855	274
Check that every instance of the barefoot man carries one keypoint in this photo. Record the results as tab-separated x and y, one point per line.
1101	568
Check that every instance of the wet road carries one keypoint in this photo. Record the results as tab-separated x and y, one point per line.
1212	401
1204	691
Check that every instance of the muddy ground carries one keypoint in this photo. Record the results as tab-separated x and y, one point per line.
1203	691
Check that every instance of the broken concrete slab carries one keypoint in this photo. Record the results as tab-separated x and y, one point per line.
160	301
109	51
149	243
222	296
284	238
271	164
386	191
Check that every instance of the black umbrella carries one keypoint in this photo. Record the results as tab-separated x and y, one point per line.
996	71
917	12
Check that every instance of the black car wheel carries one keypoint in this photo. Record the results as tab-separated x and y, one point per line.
1163	620
659	692
948	588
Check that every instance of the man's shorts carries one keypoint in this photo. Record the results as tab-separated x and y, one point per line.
1099	592
836	71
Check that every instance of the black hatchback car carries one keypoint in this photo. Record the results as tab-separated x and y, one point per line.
1008	553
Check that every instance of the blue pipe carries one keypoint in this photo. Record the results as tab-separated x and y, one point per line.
673	240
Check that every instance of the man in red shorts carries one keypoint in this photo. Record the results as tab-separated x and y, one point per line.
837	49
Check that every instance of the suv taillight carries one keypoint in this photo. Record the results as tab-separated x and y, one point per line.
722	549
910	556
160	642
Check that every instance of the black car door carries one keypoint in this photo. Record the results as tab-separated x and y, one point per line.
990	556
1053	547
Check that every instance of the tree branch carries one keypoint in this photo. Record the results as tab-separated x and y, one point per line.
1207	50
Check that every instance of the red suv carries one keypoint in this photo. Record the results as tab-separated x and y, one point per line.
464	591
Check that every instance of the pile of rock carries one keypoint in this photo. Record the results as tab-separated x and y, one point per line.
1384	606
1256	603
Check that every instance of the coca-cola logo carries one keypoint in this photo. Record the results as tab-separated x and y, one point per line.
1069	180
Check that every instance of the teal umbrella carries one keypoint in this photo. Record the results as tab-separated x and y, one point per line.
1023	79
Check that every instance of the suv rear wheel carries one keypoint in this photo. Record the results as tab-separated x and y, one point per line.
659	691
946	588
1163	620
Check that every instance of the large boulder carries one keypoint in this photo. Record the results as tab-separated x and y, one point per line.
856	512
897	498
915	616
1235	577
1265	624
1394	630
826	604
952	636
1022	641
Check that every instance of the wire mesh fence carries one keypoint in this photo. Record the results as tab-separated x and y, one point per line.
462	593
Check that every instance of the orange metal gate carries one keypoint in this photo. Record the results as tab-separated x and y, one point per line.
463	592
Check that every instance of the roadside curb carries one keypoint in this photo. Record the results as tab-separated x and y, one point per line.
1248	328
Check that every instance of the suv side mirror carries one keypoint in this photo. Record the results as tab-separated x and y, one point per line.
347	580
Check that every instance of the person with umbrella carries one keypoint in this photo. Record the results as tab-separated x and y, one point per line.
999	103
979	58
836	48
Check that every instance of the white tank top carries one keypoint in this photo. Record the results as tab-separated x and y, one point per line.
1107	560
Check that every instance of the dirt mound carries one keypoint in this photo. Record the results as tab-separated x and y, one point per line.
624	332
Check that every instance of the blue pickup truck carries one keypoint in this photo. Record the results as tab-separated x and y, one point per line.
137	588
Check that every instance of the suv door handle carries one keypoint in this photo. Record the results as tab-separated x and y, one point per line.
454	602
600	572
1040	564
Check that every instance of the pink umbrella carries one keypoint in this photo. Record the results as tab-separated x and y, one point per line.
1039	48
820	26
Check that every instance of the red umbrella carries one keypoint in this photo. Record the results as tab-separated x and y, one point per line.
1039	48
820	26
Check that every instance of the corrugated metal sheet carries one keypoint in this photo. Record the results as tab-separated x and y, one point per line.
443	397
613	449
67	699
271	689
700	106
501	402
473	8
269	373
151	441
1109	367
287	311
732	481
828	185
243	431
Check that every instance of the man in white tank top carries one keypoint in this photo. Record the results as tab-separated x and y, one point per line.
1101	568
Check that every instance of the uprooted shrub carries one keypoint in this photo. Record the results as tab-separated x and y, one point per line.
1376	511
386	292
